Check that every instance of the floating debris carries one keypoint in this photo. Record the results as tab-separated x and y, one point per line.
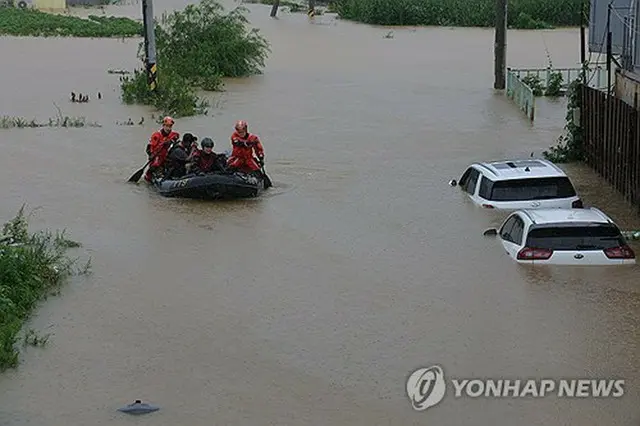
138	407
121	72
80	98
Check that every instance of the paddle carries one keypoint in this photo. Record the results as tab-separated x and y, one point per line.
137	175
267	180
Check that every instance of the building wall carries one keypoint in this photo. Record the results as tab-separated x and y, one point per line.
627	86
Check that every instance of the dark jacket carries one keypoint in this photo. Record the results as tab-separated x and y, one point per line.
177	162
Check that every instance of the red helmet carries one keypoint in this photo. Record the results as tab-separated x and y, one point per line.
241	125
168	121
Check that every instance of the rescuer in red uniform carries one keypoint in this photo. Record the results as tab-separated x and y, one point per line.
244	145
158	146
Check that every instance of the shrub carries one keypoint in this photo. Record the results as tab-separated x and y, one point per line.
570	146
31	266
196	49
462	13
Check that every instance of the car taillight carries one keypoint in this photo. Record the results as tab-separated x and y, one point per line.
577	204
528	253
487	206
622	252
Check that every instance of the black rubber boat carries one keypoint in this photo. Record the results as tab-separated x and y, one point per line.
212	186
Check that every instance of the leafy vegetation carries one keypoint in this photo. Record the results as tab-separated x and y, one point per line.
30	22
570	146
32	266
196	49
461	13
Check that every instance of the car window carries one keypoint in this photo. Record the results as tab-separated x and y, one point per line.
505	231
517	231
485	187
464	178
532	189
589	237
473	180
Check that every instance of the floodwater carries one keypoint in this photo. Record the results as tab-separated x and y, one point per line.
312	305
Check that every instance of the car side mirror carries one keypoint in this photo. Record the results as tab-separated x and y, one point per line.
453	182
491	232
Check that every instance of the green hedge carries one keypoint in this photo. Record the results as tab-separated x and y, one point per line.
31	22
526	14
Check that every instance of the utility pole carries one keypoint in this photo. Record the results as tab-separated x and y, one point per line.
500	46
609	50
311	11
583	53
149	44
274	9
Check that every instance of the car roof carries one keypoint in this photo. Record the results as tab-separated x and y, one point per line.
520	169
566	217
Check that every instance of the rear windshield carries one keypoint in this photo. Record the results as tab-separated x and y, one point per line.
594	237
532	189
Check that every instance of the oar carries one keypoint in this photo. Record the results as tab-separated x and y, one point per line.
267	180
137	175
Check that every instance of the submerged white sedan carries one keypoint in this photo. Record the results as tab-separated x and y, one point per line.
582	236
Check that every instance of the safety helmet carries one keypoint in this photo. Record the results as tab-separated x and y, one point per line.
168	121
207	143
241	124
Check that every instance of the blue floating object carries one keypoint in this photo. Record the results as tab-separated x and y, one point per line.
139	407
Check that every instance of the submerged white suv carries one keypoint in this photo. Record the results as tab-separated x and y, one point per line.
518	184
584	236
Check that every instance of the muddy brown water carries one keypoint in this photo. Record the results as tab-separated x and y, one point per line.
311	305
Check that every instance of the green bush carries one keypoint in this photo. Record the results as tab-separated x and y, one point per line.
31	22
570	147
196	49
461	13
31	266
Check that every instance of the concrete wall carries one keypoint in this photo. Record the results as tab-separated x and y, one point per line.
627	86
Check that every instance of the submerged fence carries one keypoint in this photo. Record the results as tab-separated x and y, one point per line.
611	130
521	94
524	96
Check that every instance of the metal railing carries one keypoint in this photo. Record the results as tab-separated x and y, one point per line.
521	94
596	76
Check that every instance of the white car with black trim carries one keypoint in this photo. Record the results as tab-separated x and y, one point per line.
554	236
518	184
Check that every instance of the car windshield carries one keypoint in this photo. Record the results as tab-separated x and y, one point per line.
593	237
532	189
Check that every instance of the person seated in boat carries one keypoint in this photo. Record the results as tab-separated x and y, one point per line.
179	156
206	161
158	147
244	146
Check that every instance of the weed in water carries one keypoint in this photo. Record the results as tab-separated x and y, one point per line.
196	48
7	122
461	13
32	266
32	22
33	338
